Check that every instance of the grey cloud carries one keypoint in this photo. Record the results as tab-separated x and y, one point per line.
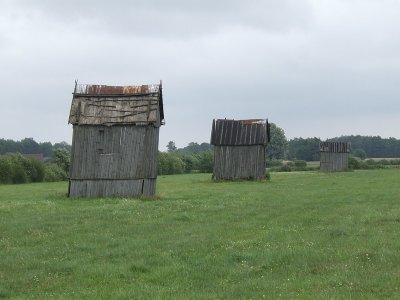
305	65
174	18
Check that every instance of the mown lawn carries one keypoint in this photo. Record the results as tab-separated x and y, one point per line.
301	235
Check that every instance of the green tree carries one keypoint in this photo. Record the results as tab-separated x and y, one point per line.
360	153
54	173
277	147
206	160
304	149
171	147
61	157
191	161
170	163
29	146
5	170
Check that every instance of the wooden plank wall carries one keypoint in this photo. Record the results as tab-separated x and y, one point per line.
108	188
239	162
123	155
334	156
334	161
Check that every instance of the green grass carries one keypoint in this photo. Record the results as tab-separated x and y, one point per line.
301	235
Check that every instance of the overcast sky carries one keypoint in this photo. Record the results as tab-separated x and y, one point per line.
316	68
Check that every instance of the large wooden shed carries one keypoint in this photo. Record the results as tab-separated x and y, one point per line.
115	140
239	148
334	156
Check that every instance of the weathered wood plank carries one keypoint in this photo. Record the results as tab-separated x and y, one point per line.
239	162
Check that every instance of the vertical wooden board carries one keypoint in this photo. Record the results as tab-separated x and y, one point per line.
239	162
333	161
149	187
108	188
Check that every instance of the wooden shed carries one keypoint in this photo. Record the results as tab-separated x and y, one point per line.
334	156
239	148
115	140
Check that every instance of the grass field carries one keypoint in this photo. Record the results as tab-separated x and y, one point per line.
301	235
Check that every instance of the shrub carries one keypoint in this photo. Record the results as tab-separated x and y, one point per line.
5	170
62	157
206	161
170	163
21	168
274	163
360	153
53	173
191	162
300	163
290	164
353	163
284	168
37	171
383	162
19	174
16	168
395	161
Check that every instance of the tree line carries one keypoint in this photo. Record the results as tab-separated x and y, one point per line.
361	146
30	146
14	168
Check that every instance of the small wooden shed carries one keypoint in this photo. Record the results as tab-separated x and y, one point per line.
334	156
239	148
115	140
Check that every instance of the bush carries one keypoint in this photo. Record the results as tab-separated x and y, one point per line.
274	163
206	161
360	153
37	171
284	168
54	173
62	157
178	163
16	168
170	163
290	164
300	163
5	170
384	162
395	161
353	163
191	162
18	174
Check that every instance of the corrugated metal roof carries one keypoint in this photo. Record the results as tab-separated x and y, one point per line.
338	147
95	89
239	132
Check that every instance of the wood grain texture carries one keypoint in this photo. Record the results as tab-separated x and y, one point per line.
334	156
121	154
239	162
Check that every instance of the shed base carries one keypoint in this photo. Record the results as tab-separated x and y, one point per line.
108	188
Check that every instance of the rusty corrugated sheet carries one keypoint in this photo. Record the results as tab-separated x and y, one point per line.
95	89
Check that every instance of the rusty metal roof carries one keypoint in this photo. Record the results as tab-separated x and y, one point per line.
95	89
239	132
